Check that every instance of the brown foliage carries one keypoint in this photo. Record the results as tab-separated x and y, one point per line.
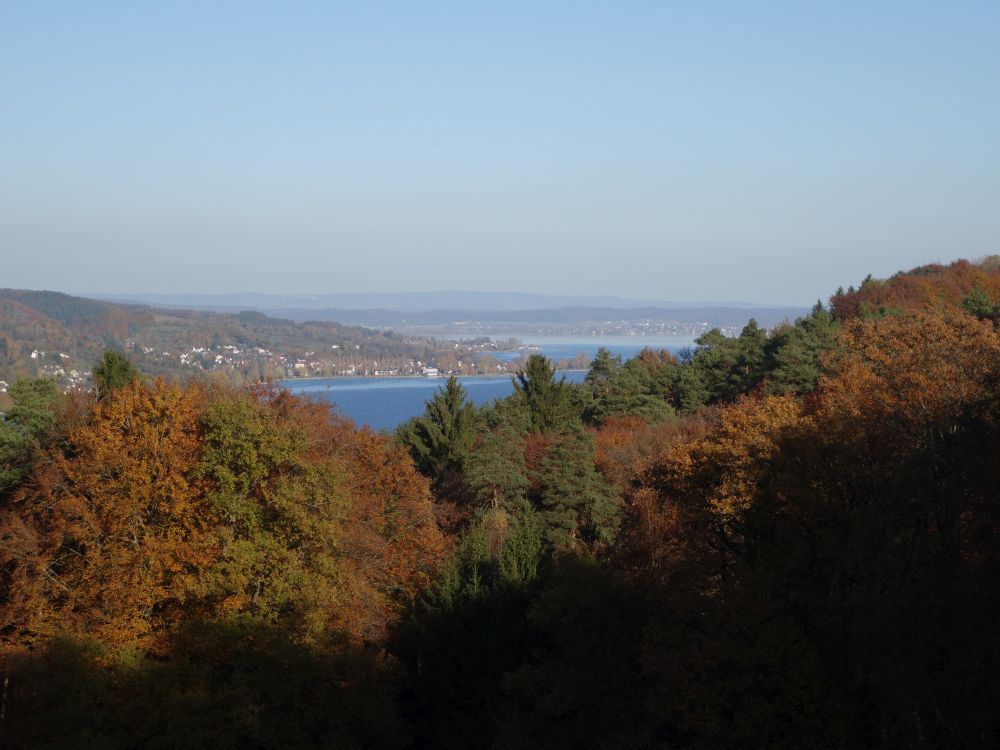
655	531
108	533
709	473
915	392
393	545
838	551
931	287
655	359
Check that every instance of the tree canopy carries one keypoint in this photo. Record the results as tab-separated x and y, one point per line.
113	373
782	538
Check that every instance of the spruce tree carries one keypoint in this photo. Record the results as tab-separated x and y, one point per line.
497	472
602	370
112	373
440	439
576	504
547	399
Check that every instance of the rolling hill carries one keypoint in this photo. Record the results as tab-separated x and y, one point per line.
58	335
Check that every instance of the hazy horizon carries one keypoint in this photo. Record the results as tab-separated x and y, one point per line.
444	298
765	153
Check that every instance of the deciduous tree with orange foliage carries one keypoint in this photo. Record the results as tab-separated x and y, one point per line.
110	531
174	502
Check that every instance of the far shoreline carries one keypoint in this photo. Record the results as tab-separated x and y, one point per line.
409	377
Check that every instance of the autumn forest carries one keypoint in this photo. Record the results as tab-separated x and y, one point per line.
782	539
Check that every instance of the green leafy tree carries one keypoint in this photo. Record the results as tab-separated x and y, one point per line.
243	448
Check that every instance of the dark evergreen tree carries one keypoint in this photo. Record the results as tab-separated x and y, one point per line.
625	390
748	366
978	303
546	399
508	415
794	354
113	372
714	361
440	439
691	389
602	371
579	508
497	473
26	426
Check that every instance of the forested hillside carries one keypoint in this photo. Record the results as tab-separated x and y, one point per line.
784	539
59	336
962	285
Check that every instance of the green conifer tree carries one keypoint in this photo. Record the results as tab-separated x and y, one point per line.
602	370
578	507
546	399
440	439
27	425
497	472
794	354
113	372
747	369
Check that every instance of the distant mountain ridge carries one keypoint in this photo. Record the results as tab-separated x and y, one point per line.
420	310
563	316
404	301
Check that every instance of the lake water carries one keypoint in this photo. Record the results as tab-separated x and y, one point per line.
384	403
565	347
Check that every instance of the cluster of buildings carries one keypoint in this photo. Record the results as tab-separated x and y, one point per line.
256	363
56	365
615	328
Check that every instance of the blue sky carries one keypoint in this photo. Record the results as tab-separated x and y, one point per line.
758	151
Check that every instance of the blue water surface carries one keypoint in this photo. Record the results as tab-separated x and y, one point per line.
384	403
561	347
